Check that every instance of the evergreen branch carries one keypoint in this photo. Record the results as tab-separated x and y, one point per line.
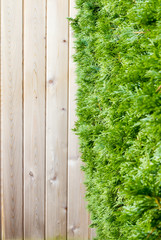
154	229
99	107
151	232
159	237
158	203
139	32
158	89
124	132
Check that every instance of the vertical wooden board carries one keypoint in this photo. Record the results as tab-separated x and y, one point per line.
11	116
56	122
77	214
34	118
93	233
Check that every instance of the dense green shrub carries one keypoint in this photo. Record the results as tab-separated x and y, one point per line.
118	56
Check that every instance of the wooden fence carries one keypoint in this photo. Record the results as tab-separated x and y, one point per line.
42	192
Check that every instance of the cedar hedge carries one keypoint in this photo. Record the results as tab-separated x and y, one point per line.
118	56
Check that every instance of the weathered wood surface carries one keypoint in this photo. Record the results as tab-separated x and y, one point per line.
78	218
56	121
11	116
42	191
34	118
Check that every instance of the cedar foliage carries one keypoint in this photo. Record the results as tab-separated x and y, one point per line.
118	56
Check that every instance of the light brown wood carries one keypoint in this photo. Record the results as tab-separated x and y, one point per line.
56	121
93	233
39	151
11	117
34	117
77	213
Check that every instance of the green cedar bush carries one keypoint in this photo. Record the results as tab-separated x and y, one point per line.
118	56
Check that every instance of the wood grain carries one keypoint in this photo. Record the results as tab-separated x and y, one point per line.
92	233
77	213
11	116
56	121
42	190
34	117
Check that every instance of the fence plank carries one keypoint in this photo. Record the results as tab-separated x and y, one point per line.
45	156
11	116
57	88
77	213
34	117
93	233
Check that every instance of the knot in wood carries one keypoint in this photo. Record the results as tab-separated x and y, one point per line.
31	174
51	81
